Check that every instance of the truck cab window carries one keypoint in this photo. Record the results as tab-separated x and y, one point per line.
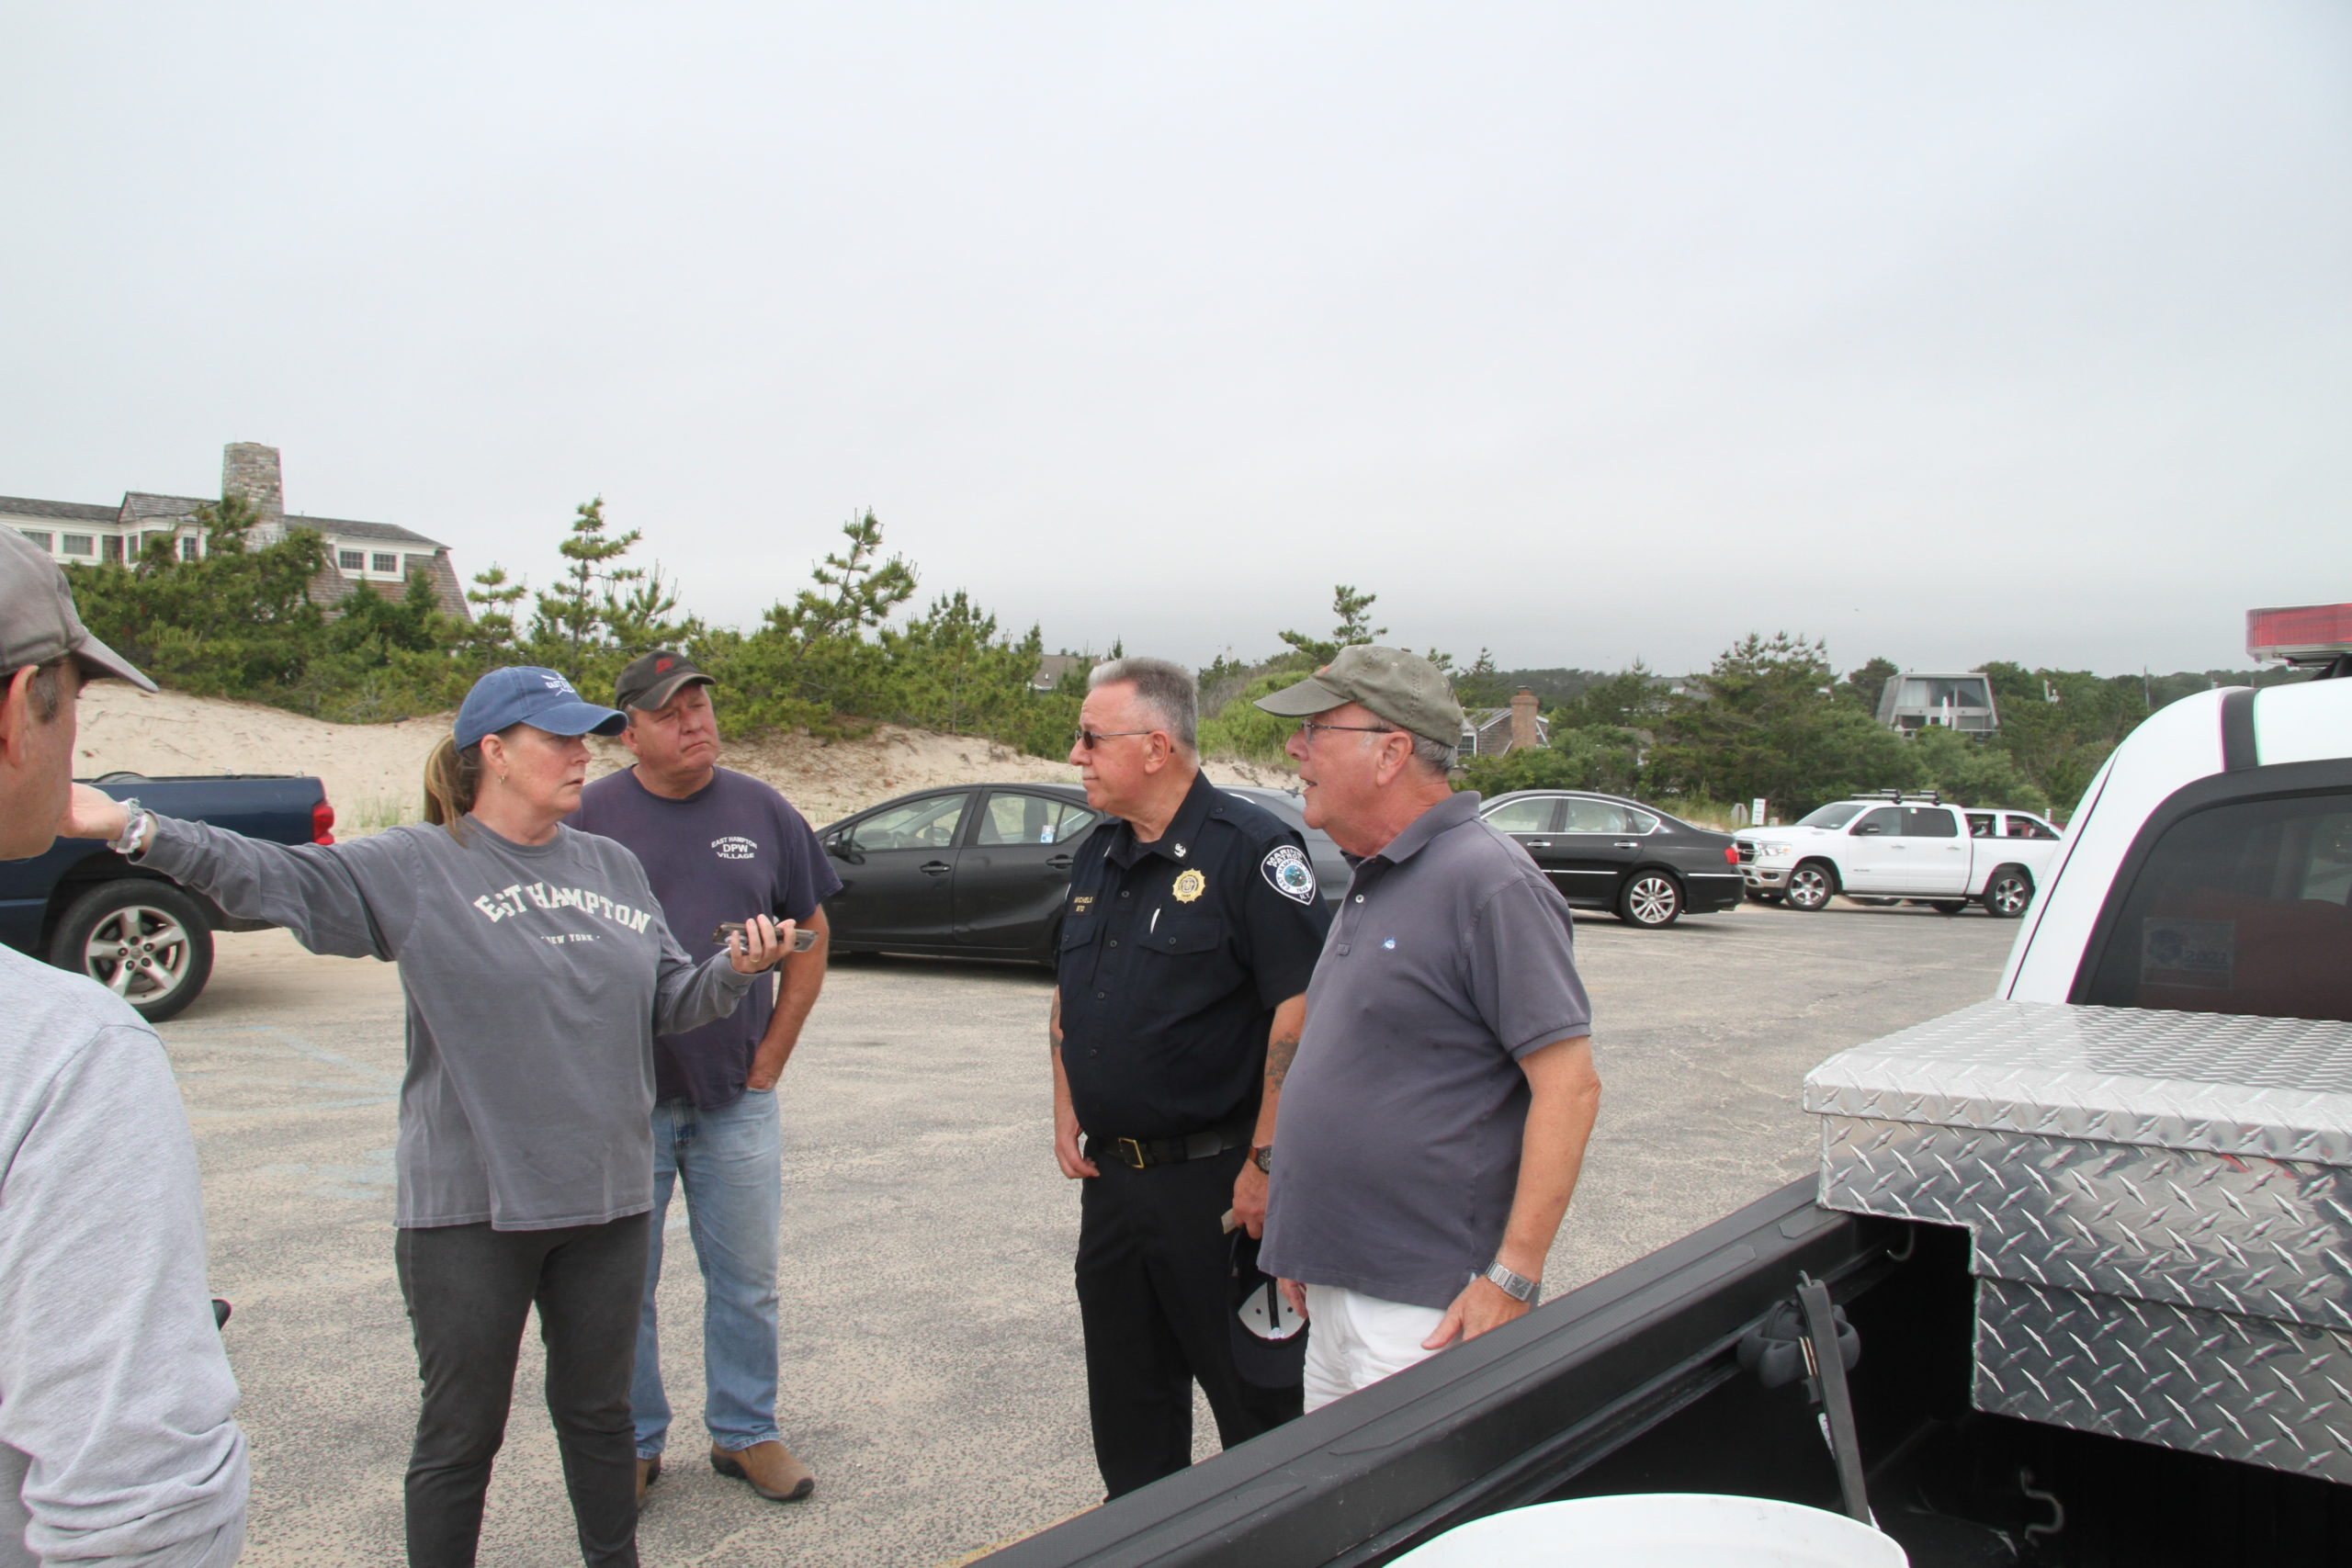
1885	820
1929	822
2241	908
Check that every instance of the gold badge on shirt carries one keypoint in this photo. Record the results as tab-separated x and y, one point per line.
1189	885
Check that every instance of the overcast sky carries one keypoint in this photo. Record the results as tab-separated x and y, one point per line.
1942	331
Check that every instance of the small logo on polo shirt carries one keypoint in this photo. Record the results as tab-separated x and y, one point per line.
734	846
1390	944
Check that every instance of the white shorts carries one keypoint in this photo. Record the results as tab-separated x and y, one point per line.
1354	1340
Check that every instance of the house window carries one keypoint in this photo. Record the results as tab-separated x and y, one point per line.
187	547
112	548
80	545
46	541
387	562
351	560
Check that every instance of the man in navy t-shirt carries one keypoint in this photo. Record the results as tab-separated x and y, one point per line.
717	845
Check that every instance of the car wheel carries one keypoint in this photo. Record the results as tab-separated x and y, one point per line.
144	940
1811	885
2009	893
1649	898
1946	906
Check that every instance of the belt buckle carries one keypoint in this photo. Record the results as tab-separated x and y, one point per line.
1130	1152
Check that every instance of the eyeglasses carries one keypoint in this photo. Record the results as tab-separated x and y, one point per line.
1307	726
1086	740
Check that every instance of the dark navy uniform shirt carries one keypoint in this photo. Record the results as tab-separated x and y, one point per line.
1174	956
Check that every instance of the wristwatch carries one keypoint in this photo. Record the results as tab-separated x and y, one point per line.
1262	1156
1517	1287
134	829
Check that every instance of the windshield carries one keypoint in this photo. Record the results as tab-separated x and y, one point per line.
1836	815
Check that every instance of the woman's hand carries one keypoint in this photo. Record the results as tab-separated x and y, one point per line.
761	942
92	814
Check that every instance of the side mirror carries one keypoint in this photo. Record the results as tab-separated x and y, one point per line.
1872	827
838	846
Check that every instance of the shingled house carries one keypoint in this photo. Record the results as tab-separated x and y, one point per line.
374	557
1495	732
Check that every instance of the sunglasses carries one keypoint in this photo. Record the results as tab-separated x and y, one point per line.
1088	739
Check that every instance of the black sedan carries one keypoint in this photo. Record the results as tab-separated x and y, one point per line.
1605	853
980	871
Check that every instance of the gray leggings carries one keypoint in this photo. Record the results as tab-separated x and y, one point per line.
469	1289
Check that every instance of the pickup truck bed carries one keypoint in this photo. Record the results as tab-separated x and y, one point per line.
1631	1383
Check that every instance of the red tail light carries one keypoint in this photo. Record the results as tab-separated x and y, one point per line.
1731	854
323	823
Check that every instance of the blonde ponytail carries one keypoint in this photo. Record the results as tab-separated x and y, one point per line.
451	776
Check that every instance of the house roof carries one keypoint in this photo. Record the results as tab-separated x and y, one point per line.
138	505
61	511
389	533
143	506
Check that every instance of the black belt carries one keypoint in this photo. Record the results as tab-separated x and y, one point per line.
1141	1153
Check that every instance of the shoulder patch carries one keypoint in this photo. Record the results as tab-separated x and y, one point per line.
1289	873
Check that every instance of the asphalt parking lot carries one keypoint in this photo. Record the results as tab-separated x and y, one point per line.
932	1368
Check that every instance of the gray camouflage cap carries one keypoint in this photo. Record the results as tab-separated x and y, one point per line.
37	619
1403	688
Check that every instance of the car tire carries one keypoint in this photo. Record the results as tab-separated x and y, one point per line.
142	939
1651	899
2009	893
1811	886
1946	906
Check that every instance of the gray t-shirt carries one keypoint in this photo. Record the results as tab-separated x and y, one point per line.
536	977
117	1438
1396	1156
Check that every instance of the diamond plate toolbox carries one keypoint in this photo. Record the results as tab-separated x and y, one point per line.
2161	1206
2242	1388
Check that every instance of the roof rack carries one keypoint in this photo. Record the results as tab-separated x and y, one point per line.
1933	798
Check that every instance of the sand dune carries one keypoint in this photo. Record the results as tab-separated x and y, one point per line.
372	772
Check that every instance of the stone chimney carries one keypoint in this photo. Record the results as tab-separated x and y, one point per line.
1523	732
249	470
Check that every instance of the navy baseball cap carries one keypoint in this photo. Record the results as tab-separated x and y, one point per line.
525	694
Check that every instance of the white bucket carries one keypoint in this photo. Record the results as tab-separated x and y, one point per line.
1660	1529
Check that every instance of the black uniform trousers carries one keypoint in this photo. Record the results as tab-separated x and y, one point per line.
1153	1264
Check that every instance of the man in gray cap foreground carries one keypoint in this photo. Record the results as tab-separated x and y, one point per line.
117	1442
1435	1119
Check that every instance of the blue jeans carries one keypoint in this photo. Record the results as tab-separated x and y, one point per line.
731	1163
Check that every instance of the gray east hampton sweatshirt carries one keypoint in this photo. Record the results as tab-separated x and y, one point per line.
118	1445
536	977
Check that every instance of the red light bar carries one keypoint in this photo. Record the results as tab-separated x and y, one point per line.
2298	633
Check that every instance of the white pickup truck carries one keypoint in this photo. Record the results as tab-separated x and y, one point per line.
1902	846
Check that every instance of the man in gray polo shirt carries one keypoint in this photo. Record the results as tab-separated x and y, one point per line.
1436	1116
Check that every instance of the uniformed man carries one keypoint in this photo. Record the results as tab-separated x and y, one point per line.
1193	925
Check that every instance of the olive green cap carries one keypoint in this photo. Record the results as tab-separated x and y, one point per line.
1403	688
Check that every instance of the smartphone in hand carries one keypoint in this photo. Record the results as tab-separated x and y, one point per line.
803	937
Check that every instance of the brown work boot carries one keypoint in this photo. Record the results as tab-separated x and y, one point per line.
649	1471
769	1467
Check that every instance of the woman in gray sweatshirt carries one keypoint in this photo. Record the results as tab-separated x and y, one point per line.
536	970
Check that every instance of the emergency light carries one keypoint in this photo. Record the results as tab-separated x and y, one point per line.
2300	634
